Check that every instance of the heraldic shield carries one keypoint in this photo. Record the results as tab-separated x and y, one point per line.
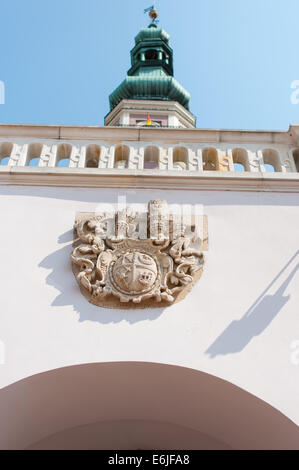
138	259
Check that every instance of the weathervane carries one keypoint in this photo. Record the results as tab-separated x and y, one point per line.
153	14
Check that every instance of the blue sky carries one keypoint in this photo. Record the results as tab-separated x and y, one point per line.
60	59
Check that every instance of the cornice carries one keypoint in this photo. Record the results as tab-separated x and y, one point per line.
289	137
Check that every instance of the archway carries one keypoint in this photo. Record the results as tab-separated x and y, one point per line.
271	160
151	158
121	157
180	158
210	159
132	405
240	160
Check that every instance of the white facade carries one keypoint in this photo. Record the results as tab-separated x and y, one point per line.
240	321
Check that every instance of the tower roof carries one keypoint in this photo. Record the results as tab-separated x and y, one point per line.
152	33
151	74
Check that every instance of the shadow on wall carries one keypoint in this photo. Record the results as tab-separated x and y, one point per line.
257	318
63	279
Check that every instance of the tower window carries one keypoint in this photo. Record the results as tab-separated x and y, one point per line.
152	54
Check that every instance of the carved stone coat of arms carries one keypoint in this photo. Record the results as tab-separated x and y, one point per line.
137	260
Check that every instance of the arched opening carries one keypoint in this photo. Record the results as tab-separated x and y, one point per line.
4	161
151	158
240	160
93	156
210	160
34	161
271	161
269	168
180	158
137	405
296	158
5	153
151	54
121	157
34	154
64	155
239	167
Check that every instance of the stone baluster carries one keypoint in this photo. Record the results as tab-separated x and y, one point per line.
82	157
170	158
141	152
256	161
163	159
48	156
136	158
197	162
104	157
18	155
230	160
140	158
78	157
190	159
261	161
223	160
111	159
111	163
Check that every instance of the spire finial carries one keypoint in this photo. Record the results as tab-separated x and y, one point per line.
153	14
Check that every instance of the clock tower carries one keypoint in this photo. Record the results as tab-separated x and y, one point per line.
150	95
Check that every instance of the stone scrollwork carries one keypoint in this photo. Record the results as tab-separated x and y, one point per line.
135	260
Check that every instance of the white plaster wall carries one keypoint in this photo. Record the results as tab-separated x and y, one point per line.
45	322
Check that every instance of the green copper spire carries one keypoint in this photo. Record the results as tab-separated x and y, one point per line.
151	74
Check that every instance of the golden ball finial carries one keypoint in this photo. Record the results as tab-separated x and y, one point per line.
153	14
